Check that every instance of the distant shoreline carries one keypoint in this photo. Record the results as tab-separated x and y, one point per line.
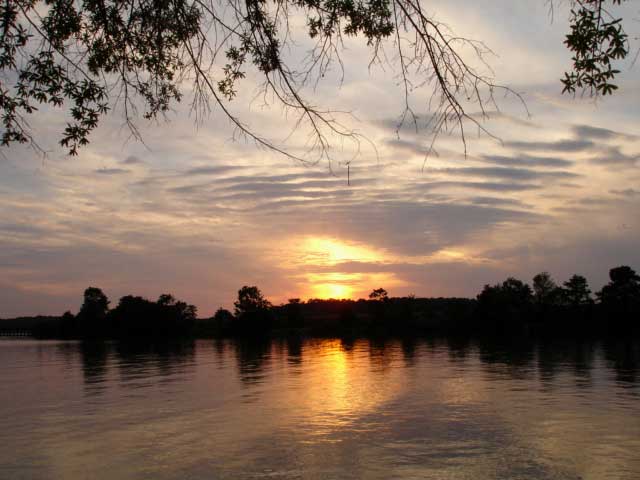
510	308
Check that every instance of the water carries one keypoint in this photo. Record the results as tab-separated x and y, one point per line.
319	409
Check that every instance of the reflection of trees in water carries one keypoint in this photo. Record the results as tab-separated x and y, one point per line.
583	356
408	345
69	351
137	364
294	351
458	348
380	353
252	356
166	359
565	356
95	358
347	344
624	358
510	356
554	357
219	348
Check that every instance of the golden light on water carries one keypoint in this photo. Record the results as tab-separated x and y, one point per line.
343	390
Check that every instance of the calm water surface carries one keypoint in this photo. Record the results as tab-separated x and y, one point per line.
319	409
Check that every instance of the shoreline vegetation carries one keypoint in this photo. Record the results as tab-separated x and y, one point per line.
510	308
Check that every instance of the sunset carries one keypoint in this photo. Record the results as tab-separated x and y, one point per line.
320	239
191	210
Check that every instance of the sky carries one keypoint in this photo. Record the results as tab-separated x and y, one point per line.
198	212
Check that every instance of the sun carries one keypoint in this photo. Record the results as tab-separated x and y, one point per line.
326	265
331	251
333	290
333	285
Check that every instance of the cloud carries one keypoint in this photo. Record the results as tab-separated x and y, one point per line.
488	186
411	146
403	226
614	156
211	170
112	171
132	160
569	145
597	133
506	173
628	192
496	201
498	115
527	161
190	189
207	214
21	228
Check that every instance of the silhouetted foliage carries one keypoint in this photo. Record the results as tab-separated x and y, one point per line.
68	324
250	300
620	299
505	307
252	312
94	54
576	292
545	290
509	308
379	298
223	316
95	305
219	325
92	314
293	314
139	317
379	294
596	41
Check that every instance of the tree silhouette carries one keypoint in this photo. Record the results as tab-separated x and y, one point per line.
92	314
223	316
576	292
293	313
141	54
621	296
138	317
166	299
95	305
505	306
379	294
545	290
250	300
253	316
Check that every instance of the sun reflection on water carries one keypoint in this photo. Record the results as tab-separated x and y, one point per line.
343	390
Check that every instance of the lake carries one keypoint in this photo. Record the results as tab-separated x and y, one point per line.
320	409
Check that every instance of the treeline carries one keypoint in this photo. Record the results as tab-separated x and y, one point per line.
569	308
380	314
133	317
509	308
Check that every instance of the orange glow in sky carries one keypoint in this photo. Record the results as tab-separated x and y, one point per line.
332	290
331	251
318	252
313	254
333	285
